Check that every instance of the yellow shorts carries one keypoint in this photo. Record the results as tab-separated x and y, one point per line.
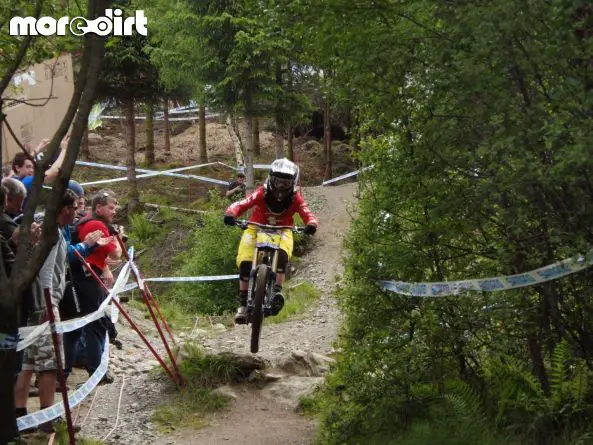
247	245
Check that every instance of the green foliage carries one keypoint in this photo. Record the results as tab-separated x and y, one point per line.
127	70
211	250
475	117
298	298
142	230
188	407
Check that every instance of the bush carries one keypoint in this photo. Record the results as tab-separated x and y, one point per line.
212	250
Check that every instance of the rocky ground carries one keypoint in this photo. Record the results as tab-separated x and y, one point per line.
296	354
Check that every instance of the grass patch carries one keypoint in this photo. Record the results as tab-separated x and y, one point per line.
60	439
189	406
309	406
298	299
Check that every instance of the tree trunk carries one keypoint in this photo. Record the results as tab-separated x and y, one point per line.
236	138
249	177
327	141
167	127
149	153
133	194
255	137
26	267
290	143
202	132
84	147
279	144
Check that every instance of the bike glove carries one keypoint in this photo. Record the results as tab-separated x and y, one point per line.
310	229
229	220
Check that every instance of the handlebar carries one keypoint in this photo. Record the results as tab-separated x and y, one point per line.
244	224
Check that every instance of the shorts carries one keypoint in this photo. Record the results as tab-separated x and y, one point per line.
40	356
247	245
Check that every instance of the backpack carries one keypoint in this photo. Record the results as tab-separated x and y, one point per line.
70	304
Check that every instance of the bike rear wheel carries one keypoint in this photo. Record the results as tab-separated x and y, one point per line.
257	316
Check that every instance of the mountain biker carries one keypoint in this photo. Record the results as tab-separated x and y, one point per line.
273	203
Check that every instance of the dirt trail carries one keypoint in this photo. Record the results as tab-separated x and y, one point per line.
253	418
122	411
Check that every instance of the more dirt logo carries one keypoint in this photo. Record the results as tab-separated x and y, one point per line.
112	23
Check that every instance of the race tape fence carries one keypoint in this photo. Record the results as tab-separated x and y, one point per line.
32	333
533	277
175	173
152	173
53	412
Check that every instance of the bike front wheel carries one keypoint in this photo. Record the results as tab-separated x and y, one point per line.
257	316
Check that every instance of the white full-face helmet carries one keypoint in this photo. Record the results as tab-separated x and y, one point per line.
283	179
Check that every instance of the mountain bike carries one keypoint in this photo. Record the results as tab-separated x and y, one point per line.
263	275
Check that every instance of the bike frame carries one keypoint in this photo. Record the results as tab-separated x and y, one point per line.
266	254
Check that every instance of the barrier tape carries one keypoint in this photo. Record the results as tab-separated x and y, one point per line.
150	173
53	412
8	341
32	333
131	286
204	278
347	175
494	284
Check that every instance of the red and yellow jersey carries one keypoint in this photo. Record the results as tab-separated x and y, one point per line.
262	214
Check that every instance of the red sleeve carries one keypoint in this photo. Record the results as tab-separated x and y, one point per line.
305	212
91	226
236	209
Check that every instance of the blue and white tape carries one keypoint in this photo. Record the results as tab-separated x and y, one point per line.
345	176
53	412
8	341
536	276
189	279
131	286
150	173
31	333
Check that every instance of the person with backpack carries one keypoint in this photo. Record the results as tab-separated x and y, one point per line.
40	356
90	293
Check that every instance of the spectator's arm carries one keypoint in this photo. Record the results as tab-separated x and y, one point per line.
46	274
54	170
81	248
115	254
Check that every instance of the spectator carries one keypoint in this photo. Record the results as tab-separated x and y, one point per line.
15	197
40	356
7	171
91	293
236	190
24	168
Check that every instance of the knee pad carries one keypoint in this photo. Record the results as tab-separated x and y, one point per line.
244	270
282	261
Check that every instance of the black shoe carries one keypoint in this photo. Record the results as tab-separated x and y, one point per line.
79	364
241	315
118	344
277	303
107	379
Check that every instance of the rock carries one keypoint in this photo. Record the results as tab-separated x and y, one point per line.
305	364
219	328
290	389
261	377
94	137
245	364
226	391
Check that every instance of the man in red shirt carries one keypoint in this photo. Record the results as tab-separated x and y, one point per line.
91	293
274	203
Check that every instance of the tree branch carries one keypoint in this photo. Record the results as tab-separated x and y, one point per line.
19	56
